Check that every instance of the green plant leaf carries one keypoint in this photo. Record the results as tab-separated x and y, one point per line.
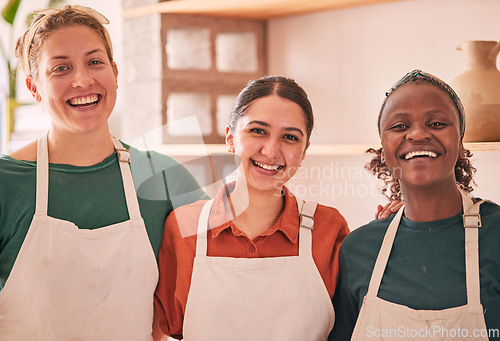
10	10
55	3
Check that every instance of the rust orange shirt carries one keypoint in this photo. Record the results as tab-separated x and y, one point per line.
178	249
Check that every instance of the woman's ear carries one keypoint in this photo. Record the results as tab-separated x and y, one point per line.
229	139
305	150
115	72
30	84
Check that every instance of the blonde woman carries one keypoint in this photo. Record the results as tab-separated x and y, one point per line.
77	245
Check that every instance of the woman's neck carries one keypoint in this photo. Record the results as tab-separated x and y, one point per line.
255	211
433	203
79	149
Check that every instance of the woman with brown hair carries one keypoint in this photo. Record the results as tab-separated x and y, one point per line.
254	263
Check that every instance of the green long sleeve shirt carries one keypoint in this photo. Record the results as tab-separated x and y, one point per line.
425	270
91	197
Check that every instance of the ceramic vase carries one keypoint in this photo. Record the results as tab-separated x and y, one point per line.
479	89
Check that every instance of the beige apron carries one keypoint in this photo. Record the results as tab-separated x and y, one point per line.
268	299
73	284
383	320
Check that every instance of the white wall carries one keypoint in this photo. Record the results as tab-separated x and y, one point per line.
347	59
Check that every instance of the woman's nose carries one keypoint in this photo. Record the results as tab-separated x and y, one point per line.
418	134
270	149
82	78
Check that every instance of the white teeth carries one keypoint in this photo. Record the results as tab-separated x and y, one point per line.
84	100
267	167
420	153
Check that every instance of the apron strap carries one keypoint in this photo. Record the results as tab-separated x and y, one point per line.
306	225
42	176
305	229
472	222
128	183
383	255
201	235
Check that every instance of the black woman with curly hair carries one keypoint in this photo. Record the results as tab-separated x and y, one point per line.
431	271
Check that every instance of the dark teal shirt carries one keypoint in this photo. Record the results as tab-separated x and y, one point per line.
426	268
91	197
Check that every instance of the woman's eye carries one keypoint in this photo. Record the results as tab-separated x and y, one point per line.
60	68
399	126
437	124
291	137
96	62
257	131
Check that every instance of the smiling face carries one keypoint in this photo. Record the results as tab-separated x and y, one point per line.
420	133
270	140
76	81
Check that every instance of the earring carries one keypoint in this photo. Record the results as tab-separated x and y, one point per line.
382	156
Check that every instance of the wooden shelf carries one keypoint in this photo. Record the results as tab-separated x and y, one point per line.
482	146
321	149
248	9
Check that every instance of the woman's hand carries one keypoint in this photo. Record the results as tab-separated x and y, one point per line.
385	211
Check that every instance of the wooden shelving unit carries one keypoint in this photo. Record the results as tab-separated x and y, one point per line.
262	10
248	9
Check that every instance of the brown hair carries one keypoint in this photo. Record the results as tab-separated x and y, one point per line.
47	21
464	170
272	85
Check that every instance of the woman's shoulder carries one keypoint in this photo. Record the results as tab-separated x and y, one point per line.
329	225
490	207
325	210
26	152
183	220
329	213
490	215
150	158
160	177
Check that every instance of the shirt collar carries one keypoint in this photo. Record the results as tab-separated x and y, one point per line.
287	223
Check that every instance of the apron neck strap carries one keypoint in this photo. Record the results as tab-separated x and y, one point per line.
128	182
201	236
383	255
306	218
472	221
42	177
306	225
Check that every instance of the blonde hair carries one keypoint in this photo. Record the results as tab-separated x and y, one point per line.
47	21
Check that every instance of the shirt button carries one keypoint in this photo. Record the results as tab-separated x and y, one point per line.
251	248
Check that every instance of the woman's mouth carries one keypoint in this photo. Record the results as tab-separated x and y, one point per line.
268	167
84	101
420	154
